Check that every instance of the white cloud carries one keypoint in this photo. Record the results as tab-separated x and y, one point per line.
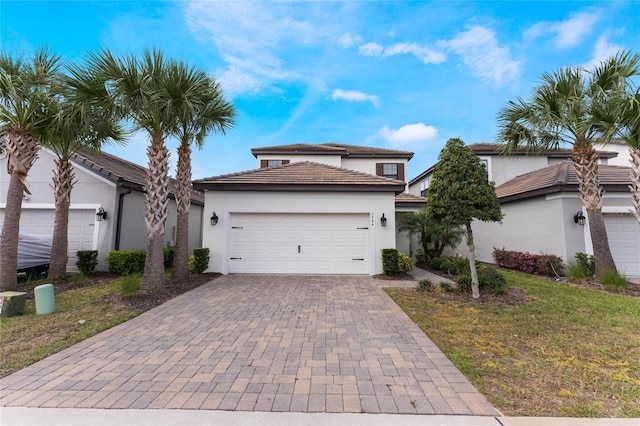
479	49
347	40
408	134
602	51
568	33
423	53
353	96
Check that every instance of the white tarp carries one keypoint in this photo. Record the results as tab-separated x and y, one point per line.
33	250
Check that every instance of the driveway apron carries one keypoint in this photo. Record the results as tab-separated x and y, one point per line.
258	343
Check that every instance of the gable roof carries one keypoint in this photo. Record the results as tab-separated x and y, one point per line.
560	177
300	176
122	172
344	150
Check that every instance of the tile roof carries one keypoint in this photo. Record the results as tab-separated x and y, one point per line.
122	172
560	177
344	150
409	199
300	176
496	149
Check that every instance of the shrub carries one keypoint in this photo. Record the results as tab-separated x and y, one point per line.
527	262
87	261
78	278
129	286
405	263
449	267
462	265
574	272
199	261
436	262
126	262
169	255
390	261
613	281
425	285
464	283
492	279
447	287
421	256
586	263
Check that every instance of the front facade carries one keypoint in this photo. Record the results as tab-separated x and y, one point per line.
303	211
539	198
101	181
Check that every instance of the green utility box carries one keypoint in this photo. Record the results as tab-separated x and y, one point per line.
12	303
45	301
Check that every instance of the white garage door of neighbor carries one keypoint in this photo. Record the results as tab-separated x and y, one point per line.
299	243
80	232
623	232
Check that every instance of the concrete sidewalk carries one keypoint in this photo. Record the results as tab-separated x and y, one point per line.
100	417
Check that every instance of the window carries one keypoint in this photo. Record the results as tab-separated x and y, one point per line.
390	170
272	163
424	187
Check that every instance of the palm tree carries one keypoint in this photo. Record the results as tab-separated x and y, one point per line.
25	112
74	127
137	88
562	110
200	108
434	236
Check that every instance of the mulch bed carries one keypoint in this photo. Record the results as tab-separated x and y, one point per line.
402	276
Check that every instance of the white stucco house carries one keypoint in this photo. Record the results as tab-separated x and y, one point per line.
102	181
307	209
540	200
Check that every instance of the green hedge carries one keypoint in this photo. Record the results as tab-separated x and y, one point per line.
125	262
390	261
87	261
199	261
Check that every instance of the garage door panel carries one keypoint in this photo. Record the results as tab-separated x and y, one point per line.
327	243
623	232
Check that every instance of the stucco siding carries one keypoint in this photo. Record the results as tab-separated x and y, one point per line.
332	160
502	169
227	203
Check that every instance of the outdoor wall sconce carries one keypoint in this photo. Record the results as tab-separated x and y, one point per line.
383	220
214	219
579	218
101	215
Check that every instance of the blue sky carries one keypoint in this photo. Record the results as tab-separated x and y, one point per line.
400	75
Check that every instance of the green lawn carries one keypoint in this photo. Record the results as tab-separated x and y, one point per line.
79	315
571	351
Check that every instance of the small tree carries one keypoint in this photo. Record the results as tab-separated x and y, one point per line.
460	191
434	236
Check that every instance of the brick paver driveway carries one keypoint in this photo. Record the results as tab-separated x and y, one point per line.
262	343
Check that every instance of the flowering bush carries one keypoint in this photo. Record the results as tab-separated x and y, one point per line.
538	264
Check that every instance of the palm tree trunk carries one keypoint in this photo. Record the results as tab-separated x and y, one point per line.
62	186
475	286
585	159
635	181
180	269
157	198
21	149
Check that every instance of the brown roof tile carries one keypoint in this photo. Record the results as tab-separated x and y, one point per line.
300	176
121	171
496	149
332	148
406	198
560	177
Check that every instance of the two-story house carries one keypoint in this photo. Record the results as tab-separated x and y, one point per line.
542	209
308	208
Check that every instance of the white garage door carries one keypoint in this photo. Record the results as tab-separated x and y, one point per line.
299	243
80	232
623	232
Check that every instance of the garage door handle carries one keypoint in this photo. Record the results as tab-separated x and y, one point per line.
357	259
363	228
235	258
298	249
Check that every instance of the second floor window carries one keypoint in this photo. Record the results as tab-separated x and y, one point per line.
390	170
272	163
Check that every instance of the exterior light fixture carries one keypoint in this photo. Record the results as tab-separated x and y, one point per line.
214	219
101	215
579	218
383	220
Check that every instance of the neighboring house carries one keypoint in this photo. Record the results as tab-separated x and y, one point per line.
102	181
316	209
540	199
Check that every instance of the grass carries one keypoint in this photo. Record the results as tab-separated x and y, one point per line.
79	315
572	351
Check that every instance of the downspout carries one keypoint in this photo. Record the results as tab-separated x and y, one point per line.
119	219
